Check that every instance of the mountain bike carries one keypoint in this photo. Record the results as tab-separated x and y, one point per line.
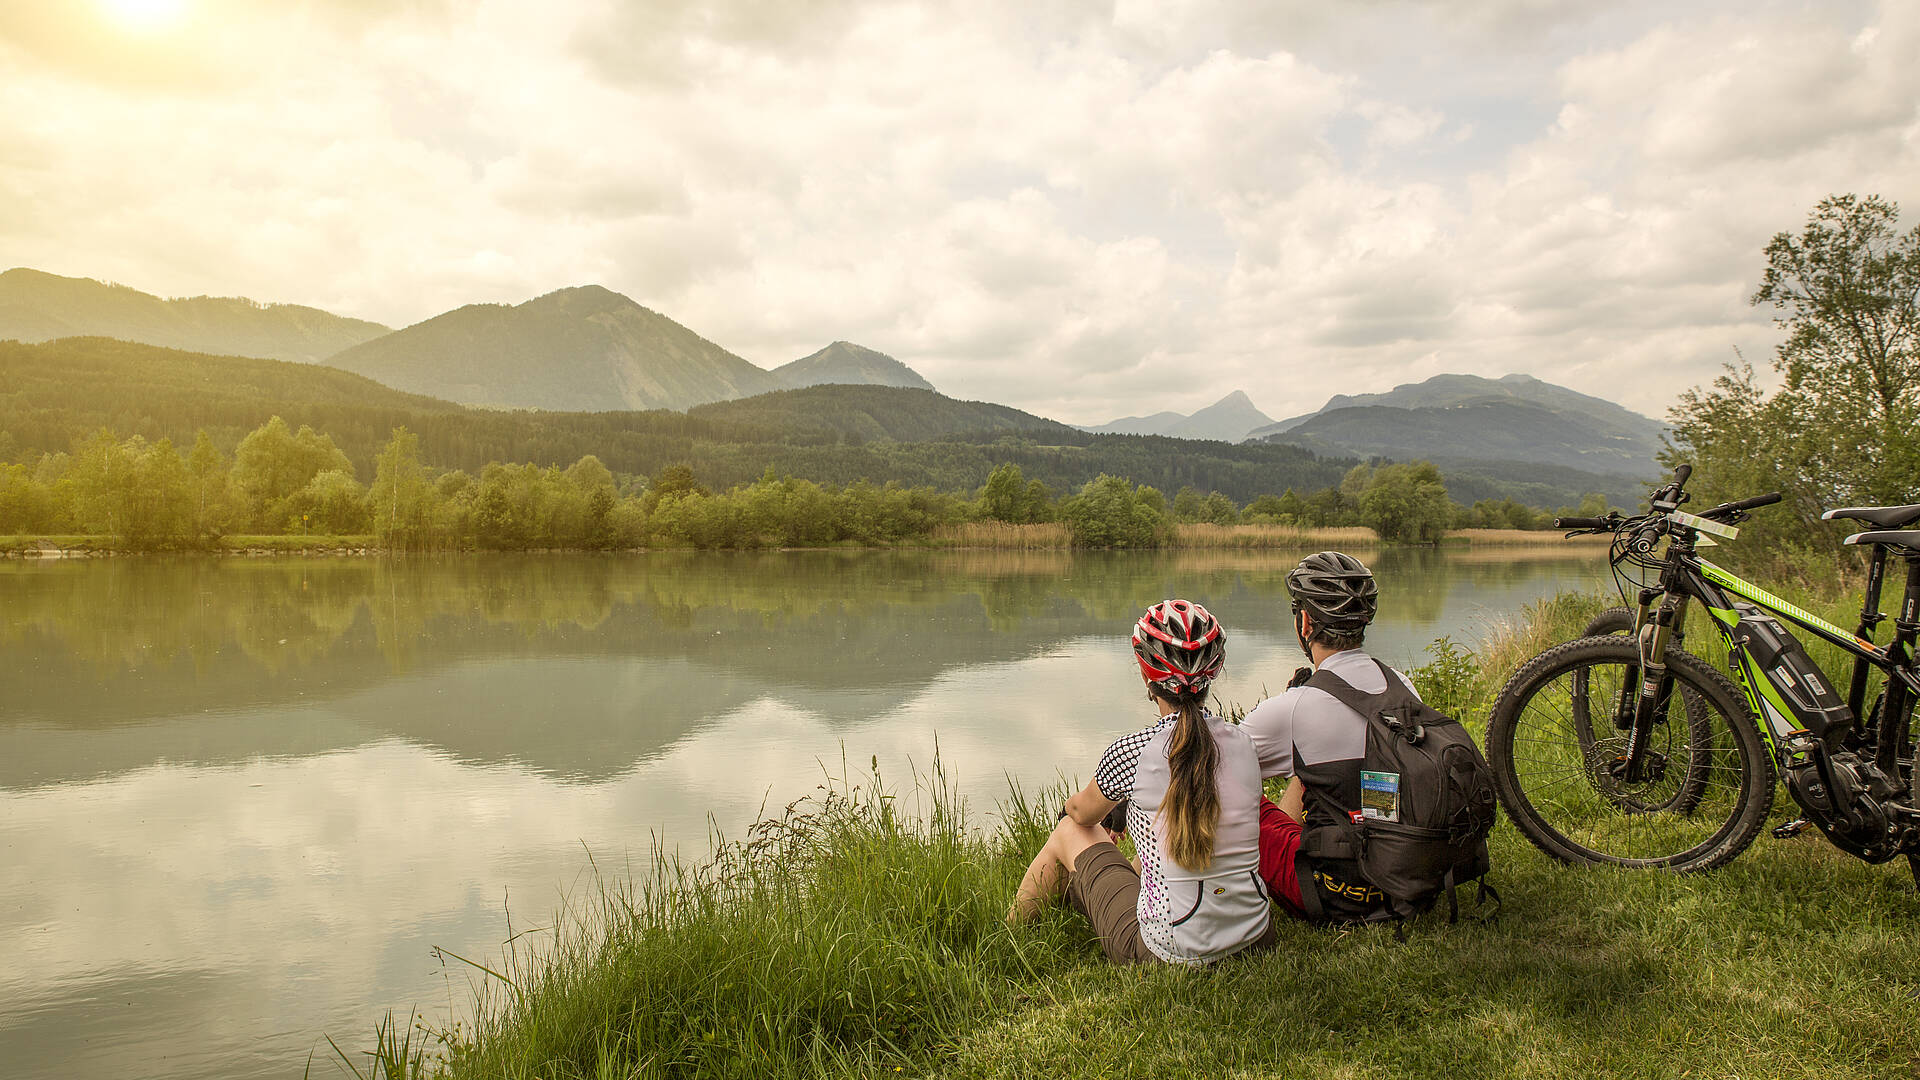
1629	750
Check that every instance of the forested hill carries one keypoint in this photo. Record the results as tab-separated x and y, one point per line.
584	348
865	413
54	393
36	306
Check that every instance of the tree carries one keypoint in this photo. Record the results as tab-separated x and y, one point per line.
1850	285
213	506
272	464
1110	512
138	492
1407	503
401	499
1217	509
1004	496
1841	427
1269	510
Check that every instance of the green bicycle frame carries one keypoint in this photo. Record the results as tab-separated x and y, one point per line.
1716	587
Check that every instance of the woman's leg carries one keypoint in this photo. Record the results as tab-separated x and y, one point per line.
1046	877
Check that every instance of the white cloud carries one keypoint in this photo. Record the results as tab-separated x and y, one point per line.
1080	210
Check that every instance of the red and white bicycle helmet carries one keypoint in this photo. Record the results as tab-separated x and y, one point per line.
1180	646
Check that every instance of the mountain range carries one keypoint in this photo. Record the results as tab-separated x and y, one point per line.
1461	419
37	306
589	350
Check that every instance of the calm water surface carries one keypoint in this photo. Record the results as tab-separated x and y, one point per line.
242	800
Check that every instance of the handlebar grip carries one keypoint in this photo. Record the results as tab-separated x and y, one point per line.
1680	474
1768	499
1582	523
1646	537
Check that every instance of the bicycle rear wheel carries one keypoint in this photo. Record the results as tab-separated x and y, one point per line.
1708	782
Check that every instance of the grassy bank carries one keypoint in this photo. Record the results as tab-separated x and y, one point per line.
859	934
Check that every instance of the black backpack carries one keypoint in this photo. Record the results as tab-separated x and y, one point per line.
1427	801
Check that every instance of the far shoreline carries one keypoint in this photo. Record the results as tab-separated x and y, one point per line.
1186	538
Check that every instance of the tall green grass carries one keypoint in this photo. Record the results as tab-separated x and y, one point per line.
859	933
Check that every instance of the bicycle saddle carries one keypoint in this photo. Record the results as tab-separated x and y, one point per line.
1906	538
1885	517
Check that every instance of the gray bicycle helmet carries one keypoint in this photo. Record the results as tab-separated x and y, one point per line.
1337	588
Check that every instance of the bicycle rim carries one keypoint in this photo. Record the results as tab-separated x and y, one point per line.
1556	757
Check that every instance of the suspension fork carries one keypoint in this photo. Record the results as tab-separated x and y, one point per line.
1655	683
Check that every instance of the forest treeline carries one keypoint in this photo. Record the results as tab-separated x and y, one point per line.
53	392
286	480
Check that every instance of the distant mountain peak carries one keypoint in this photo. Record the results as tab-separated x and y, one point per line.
846	363
1226	420
585	348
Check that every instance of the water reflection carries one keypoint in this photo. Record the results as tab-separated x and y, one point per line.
239	800
579	667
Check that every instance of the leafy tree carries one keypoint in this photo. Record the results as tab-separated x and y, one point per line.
273	463
401	499
332	502
1217	509
1187	505
213	501
1270	510
1008	496
1841	428
1407	503
1110	512
137	492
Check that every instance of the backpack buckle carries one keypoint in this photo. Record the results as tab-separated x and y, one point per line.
1412	732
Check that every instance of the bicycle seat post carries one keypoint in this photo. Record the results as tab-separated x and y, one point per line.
1892	736
1870	619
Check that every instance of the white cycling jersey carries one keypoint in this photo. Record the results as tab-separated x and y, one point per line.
1193	916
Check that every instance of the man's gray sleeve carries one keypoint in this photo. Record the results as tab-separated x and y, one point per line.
1270	725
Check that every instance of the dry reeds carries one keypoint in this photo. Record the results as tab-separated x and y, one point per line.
998	534
1521	538
1257	537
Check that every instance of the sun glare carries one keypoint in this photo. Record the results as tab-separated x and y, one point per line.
145	15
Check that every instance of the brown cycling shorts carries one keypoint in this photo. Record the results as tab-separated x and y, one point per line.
1104	886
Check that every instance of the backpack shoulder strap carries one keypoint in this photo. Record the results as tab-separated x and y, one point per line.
1359	700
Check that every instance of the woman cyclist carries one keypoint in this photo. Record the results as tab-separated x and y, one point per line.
1192	786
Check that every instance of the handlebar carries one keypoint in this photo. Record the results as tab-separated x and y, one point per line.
1583	524
1742	505
1672	495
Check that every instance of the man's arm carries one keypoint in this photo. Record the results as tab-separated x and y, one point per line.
1270	726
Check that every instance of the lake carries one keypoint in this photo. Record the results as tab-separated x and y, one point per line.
242	800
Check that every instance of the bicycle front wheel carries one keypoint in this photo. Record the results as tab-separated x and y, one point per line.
1706	785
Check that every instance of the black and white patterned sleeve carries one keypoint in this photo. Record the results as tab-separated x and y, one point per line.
1120	764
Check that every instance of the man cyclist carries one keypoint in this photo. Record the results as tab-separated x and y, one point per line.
1305	734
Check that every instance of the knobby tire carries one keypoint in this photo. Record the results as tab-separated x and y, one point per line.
1702	805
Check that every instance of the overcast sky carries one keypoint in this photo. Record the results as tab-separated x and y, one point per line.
1085	209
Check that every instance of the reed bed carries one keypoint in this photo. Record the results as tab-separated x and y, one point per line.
1521	538
1258	537
1050	535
